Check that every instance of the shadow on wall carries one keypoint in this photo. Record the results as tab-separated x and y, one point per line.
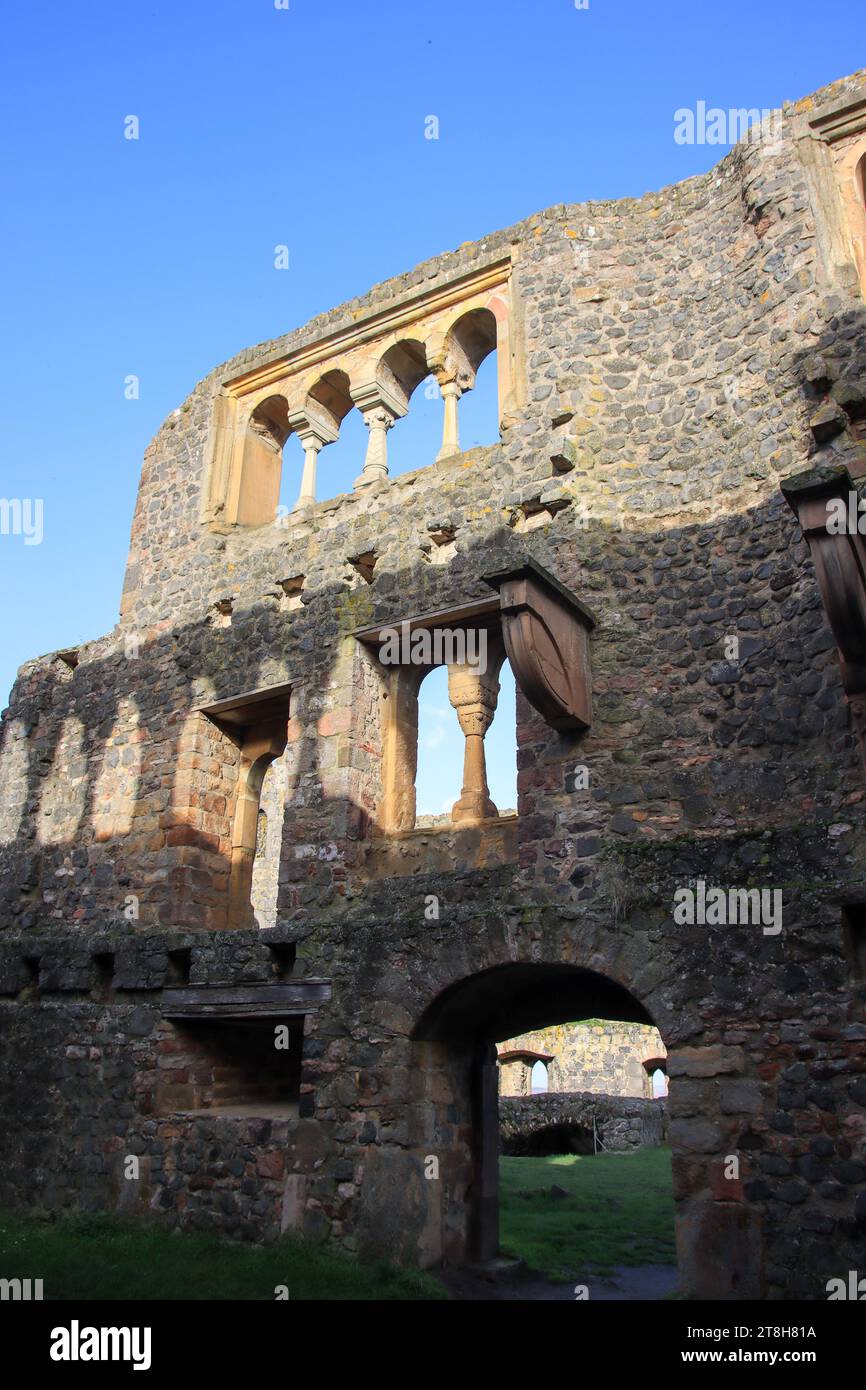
116	776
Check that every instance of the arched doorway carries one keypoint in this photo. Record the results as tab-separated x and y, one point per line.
465	1021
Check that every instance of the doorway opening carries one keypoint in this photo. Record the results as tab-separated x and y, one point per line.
575	1183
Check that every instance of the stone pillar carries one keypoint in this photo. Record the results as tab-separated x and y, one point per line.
307	497
379	407
487	1135
474	697
314	434
378	421
451	393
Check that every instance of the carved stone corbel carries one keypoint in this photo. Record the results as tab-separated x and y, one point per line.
826	505
546	630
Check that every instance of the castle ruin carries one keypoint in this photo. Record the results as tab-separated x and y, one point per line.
229	952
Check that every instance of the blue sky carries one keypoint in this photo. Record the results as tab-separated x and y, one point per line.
305	127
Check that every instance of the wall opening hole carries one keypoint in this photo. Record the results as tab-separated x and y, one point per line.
244	1067
103	968
178	965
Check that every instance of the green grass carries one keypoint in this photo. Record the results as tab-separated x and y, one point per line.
619	1211
96	1257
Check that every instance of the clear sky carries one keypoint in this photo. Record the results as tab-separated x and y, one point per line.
301	126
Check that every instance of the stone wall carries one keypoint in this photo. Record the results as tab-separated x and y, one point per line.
601	1056
678	358
580	1123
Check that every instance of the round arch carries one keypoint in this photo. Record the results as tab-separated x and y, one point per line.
456	1035
506	1000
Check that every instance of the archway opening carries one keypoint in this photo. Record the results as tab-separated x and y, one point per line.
572	1179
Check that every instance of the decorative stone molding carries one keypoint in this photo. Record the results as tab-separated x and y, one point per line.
546	630
399	708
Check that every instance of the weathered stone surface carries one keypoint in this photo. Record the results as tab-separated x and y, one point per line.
583	1123
660	364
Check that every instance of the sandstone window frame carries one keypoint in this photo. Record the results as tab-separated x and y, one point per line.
374	365
472	695
257	723
833	148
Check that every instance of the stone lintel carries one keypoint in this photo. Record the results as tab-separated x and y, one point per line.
249	1001
254	706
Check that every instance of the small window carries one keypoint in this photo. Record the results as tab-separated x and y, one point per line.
540	1080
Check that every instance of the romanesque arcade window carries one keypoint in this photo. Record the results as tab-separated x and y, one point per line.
293	413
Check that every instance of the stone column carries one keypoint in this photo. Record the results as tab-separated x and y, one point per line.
474	697
307	497
378	420
380	407
451	393
314	434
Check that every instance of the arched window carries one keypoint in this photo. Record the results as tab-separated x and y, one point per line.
470	341
261	468
540	1080
660	1084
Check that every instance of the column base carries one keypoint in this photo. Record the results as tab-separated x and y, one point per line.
473	807
368	480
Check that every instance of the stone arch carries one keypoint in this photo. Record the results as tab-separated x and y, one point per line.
258	485
539	1080
651	1066
456	1035
401	685
331	395
270	821
468	341
402	368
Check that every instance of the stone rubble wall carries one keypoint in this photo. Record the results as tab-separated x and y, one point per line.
619	1123
595	1056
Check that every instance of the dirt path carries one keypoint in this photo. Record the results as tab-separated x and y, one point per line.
628	1282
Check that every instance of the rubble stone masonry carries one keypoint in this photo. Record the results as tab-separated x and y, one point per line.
665	363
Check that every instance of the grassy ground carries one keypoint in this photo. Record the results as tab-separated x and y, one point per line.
95	1257
619	1211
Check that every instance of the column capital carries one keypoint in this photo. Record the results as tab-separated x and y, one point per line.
379	408
373	395
314	431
